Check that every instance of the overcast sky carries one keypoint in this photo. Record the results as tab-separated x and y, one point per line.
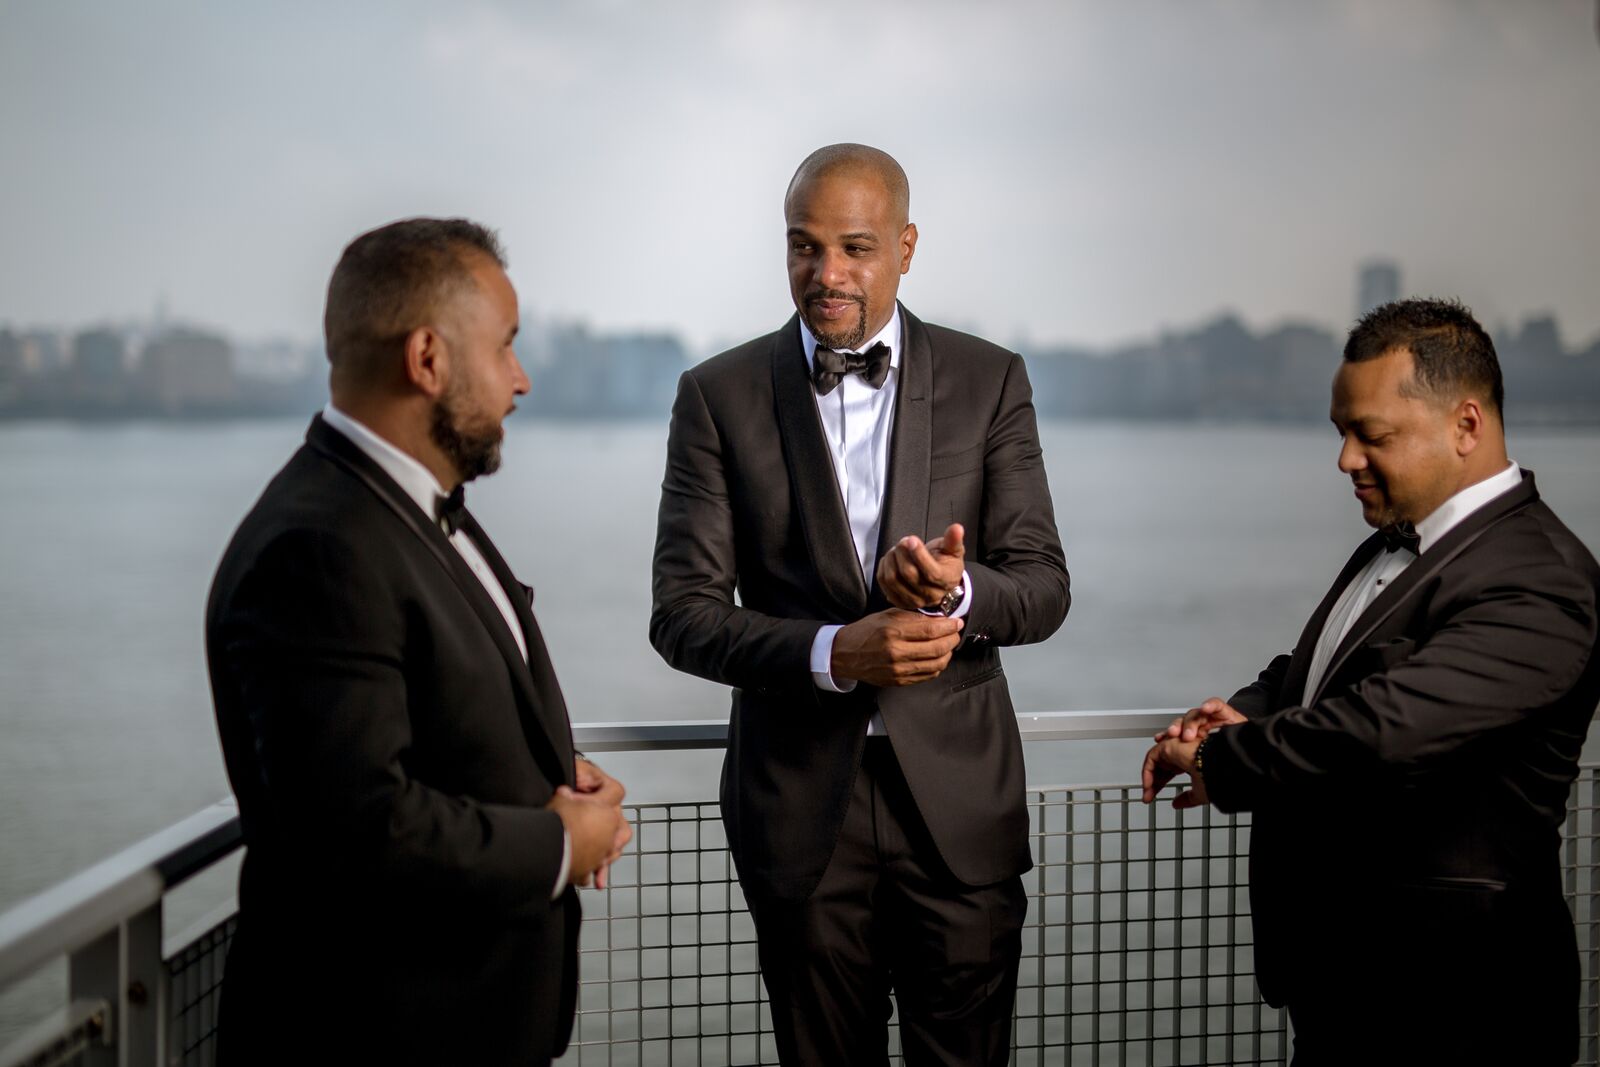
1085	172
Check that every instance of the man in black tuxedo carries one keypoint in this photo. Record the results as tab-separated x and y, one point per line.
415	822
1408	765
873	788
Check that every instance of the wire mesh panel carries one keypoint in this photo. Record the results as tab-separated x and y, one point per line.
1582	883
668	953
1137	948
195	979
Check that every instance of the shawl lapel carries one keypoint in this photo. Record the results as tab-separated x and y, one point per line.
340	450
905	497
1294	683
816	487
1426	566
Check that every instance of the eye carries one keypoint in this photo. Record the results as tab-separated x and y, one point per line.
799	248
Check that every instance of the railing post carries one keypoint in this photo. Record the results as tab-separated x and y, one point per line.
94	973
142	1031
123	969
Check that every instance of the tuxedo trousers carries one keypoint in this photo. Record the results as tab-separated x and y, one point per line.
888	917
1463	976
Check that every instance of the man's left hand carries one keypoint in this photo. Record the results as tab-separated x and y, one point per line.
916	574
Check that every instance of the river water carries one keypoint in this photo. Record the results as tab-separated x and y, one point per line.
1196	553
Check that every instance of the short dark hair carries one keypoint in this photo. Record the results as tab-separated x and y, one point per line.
1452	354
393	279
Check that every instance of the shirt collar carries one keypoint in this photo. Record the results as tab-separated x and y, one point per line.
889	335
417	481
1453	512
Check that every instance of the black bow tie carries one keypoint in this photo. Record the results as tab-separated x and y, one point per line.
451	511
829	367
1401	535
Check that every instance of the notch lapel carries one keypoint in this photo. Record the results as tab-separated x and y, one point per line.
816	486
341	451
905	496
1426	566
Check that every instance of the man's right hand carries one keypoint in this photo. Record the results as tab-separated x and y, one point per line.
895	647
1197	722
596	827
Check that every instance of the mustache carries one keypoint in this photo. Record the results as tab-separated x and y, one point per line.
832	294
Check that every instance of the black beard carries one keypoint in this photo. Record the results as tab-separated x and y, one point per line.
473	451
850	338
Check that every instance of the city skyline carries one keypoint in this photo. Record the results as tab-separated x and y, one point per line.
1217	369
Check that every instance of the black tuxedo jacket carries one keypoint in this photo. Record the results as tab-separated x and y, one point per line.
754	555
1413	808
392	755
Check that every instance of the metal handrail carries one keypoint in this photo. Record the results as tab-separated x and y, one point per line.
71	914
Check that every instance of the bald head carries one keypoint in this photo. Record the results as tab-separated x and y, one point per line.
854	161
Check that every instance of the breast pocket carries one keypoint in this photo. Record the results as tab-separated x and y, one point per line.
953	464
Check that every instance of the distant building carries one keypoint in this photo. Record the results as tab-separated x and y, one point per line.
579	373
1377	283
99	374
186	370
12	369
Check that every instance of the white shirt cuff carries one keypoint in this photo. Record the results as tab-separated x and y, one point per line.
822	661
566	866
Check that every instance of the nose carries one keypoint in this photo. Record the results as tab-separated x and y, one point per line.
833	269
1351	456
519	377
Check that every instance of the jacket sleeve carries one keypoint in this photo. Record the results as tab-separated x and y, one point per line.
1506	656
694	622
1262	695
314	646
1020	587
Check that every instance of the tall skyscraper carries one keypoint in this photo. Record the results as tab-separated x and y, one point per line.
1377	283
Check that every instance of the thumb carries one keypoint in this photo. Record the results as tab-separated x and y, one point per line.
951	543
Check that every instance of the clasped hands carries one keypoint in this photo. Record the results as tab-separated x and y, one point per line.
595	825
902	646
1174	751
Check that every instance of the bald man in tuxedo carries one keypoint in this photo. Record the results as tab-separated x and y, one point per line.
854	519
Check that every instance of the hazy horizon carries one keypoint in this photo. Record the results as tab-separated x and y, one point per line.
1082	173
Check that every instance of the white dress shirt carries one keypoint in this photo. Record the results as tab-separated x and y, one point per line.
858	423
1381	571
421	486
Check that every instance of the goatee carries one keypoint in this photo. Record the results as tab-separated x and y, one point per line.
848	337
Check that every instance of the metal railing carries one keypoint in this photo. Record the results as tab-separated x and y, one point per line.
1136	950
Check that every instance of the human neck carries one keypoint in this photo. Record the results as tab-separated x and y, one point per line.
405	426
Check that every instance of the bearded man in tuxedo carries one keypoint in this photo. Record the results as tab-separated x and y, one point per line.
1407	766
873	788
414	819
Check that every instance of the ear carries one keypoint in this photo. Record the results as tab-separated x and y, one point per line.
1470	424
427	361
908	246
